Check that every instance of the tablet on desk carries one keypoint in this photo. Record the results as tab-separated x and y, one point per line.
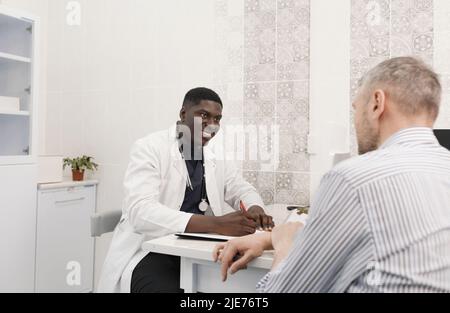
205	237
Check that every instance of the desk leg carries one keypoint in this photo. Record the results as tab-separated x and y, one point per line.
188	276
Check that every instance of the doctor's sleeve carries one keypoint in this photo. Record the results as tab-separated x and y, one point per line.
142	187
331	251
237	189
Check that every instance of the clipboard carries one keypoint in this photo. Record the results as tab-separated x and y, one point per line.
204	237
208	237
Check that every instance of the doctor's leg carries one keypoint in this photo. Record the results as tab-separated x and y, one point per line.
157	273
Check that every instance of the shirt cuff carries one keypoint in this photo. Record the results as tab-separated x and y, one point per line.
262	285
253	200
184	222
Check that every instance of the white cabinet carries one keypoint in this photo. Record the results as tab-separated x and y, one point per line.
18	85
18	92
65	249
18	228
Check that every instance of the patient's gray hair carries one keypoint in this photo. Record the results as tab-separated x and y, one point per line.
409	82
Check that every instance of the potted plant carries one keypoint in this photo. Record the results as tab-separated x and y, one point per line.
79	166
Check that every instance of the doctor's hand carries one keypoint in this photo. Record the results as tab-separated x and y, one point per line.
234	224
236	254
263	221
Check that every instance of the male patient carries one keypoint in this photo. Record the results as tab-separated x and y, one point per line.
380	222
175	183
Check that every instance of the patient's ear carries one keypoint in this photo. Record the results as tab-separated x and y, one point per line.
378	103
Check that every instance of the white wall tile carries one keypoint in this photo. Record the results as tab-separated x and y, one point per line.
96	124
72	124
118	124
53	125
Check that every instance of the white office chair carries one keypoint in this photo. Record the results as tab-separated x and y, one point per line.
103	223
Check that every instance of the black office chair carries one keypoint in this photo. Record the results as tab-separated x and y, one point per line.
443	135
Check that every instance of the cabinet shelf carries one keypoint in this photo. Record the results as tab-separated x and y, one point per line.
18	77
16	113
12	57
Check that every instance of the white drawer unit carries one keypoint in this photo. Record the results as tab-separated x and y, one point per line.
65	249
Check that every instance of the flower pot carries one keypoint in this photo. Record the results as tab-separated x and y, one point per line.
77	175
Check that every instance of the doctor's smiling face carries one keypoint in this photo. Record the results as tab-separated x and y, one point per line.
201	113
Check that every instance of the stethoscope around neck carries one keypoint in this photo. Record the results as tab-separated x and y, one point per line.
204	205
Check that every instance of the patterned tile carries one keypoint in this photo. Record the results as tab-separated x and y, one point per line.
370	44
293	25
292	188
444	115
294	162
353	139
260	100
264	182
229	42
412	29
260	41
387	28
232	97
293	99
293	70
260	149
232	140
220	8
275	95
293	119
370	28
293	136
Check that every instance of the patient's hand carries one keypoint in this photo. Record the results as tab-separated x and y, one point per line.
282	240
236	254
283	236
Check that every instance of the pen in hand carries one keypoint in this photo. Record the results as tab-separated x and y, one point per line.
243	208
245	211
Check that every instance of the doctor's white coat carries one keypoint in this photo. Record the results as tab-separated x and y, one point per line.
155	184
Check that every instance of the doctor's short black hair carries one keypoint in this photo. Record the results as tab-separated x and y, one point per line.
197	95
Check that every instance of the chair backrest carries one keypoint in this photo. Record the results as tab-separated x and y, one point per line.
102	223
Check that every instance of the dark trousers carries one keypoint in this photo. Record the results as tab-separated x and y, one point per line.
157	273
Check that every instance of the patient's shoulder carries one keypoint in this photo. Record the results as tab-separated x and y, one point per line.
372	164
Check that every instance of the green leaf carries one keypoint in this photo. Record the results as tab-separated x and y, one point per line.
80	163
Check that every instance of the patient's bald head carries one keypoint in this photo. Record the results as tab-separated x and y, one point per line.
409	82
398	93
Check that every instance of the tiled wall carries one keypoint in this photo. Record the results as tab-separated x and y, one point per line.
271	68
441	56
381	29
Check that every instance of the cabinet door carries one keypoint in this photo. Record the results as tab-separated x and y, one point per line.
18	87
18	227
65	249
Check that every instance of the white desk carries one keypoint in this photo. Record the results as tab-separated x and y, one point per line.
198	271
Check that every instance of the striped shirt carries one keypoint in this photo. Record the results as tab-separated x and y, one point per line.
379	223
